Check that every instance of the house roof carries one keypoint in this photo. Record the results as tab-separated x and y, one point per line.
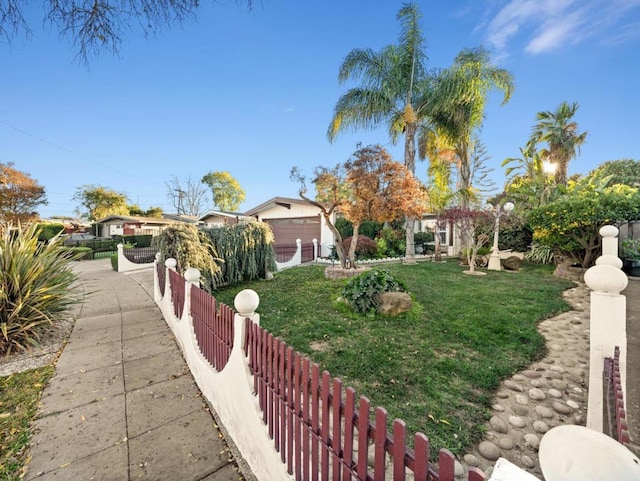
221	213
189	219
139	220
281	201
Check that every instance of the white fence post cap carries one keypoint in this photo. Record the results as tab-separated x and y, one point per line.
171	263
192	274
246	302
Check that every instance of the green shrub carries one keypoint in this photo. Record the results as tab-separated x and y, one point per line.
365	249
48	230
190	248
35	287
394	241
245	251
224	255
344	226
78	253
114	261
361	292
420	238
631	249
143	240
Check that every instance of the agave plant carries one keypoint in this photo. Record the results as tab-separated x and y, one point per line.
35	287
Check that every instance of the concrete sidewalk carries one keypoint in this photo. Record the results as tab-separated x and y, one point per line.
123	404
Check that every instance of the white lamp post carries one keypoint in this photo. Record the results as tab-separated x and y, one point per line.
494	260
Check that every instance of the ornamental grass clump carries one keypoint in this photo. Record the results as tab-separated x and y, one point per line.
35	287
362	293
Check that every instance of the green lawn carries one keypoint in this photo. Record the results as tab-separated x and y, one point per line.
19	396
436	367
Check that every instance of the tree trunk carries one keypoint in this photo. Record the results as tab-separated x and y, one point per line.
353	246
436	239
338	241
410	163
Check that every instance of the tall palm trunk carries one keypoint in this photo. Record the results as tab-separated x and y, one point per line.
410	162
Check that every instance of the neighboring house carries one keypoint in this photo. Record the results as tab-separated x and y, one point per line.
132	225
446	229
218	218
292	219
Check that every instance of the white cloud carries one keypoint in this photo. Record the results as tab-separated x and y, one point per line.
546	25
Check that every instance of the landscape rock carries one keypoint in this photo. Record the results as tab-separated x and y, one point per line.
512	263
489	451
394	303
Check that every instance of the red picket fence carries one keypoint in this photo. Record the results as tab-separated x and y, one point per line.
160	269
213	328
615	414
308	253
285	252
322	435
176	283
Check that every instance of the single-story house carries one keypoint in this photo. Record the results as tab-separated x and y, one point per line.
218	218
133	225
292	219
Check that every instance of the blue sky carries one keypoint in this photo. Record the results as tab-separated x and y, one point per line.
253	92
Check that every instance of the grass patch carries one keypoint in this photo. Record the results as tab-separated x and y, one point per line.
19	397
435	367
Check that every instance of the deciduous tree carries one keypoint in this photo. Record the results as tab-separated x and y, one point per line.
135	209
381	190
20	195
99	25
331	195
369	186
188	196
226	191
98	202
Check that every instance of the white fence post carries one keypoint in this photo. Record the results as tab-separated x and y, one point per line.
315	249
296	260
157	295
608	322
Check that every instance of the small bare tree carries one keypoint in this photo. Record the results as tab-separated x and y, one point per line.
187	196
466	220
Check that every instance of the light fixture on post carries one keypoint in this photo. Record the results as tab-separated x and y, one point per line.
494	260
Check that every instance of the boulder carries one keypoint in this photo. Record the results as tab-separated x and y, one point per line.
394	303
338	273
512	263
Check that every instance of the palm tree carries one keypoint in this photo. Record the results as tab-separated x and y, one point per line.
528	165
459	97
394	91
560	133
527	181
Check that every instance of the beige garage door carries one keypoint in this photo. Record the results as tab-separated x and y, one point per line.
286	231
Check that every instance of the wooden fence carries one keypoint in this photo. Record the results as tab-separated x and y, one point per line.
321	433
177	286
285	252
213	328
161	270
615	418
320	430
